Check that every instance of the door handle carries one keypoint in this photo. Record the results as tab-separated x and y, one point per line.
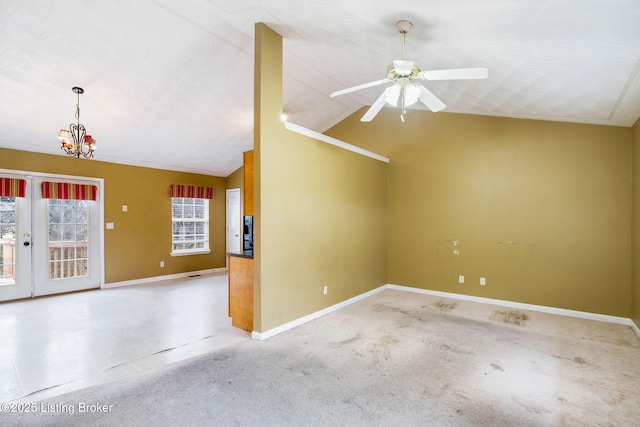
26	243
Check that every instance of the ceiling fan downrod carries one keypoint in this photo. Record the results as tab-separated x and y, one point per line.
404	26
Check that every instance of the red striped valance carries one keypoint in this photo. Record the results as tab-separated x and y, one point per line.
12	187
191	191
63	190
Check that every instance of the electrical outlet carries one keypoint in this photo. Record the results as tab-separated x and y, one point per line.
125	208
483	281
161	263
326	289
460	279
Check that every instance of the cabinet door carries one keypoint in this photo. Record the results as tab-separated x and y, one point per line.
241	292
248	183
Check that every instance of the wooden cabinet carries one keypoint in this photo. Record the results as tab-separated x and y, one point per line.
241	292
241	264
248	183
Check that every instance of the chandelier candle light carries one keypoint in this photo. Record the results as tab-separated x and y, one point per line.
75	141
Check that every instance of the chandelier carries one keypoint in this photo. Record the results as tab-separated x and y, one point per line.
75	141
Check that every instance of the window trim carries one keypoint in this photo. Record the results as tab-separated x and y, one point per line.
191	252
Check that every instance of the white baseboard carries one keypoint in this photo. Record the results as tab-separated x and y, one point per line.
261	336
518	305
635	327
161	278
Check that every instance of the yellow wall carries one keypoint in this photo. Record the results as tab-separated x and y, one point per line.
321	211
236	180
141	237
541	209
635	315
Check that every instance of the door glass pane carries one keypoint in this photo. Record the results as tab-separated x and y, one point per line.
68	238
7	241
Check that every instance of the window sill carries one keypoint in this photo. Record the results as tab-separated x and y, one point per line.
199	252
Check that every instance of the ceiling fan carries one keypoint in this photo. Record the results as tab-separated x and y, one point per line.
405	90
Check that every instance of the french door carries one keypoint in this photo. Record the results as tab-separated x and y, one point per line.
54	245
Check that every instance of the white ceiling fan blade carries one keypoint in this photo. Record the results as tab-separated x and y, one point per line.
455	74
362	86
430	100
392	94
376	107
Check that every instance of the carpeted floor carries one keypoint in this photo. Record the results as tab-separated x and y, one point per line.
393	359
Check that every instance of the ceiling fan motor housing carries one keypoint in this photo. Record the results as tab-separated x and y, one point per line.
403	68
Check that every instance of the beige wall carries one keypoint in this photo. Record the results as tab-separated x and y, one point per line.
321	212
541	209
636	225
141	237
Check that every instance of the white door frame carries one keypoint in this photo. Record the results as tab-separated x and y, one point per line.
98	182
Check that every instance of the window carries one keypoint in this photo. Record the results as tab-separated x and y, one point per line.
190	224
68	238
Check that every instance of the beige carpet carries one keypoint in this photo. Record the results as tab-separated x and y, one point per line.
393	359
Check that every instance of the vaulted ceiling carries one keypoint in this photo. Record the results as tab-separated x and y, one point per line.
169	84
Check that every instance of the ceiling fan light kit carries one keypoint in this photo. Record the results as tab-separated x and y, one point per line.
404	91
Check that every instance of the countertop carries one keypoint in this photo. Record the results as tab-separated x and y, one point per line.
243	254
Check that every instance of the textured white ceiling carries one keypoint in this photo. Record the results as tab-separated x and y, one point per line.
169	83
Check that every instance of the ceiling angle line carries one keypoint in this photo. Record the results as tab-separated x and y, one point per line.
160	4
625	89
